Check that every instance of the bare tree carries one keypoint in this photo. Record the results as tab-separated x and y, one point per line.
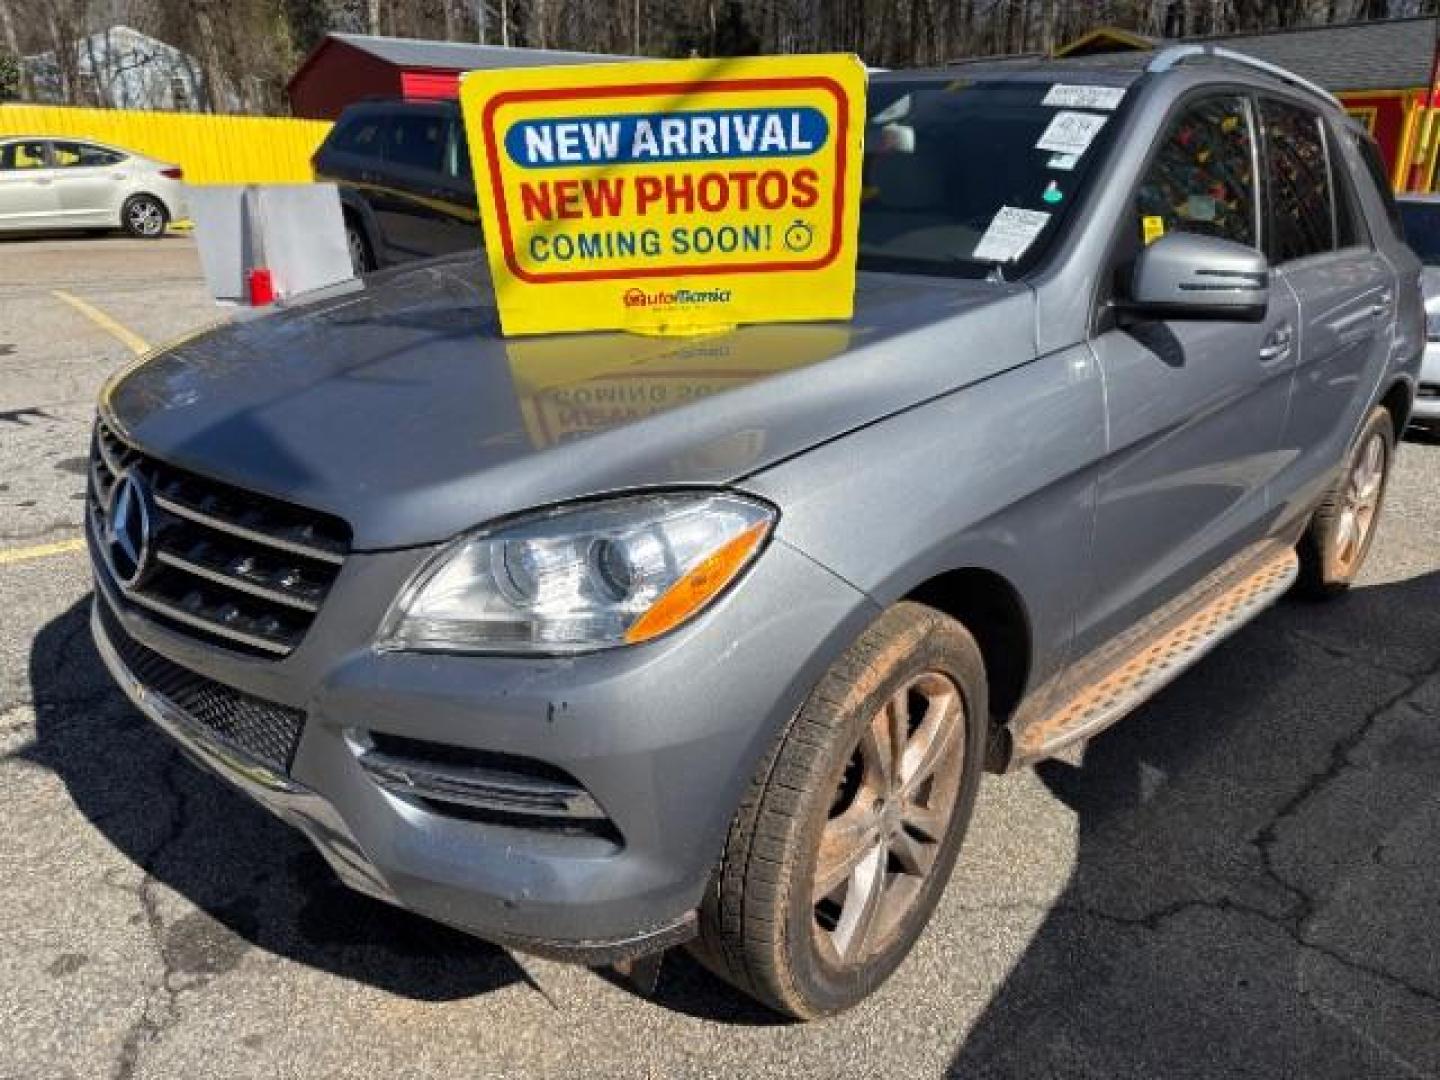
244	50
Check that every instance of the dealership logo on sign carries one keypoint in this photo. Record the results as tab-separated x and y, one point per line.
715	194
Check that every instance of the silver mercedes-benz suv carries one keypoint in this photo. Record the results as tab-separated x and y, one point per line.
594	645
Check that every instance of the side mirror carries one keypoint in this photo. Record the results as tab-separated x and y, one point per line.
1188	276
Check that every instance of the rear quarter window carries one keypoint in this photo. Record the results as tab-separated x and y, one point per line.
1375	169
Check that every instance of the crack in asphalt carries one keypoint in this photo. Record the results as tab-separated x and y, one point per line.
1155	921
161	1008
1305	907
1339	760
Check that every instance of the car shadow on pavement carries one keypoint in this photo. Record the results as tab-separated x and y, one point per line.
254	881
1257	874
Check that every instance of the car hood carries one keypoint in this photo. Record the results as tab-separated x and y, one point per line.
398	405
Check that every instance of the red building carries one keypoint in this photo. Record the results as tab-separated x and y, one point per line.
347	67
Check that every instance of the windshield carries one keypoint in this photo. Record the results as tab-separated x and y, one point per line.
1422	230
976	178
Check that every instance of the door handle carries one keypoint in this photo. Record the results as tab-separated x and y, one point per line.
1277	344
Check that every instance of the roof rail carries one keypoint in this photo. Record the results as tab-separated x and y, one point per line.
1178	54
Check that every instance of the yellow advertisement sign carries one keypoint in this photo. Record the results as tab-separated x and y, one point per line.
671	196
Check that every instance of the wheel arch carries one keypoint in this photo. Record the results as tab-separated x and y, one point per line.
992	609
1398	400
145	193
353	207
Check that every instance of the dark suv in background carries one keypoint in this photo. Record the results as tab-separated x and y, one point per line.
403	170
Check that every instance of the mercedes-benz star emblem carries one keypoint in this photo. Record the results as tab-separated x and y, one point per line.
127	530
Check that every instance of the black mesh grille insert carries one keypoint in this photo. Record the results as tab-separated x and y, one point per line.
268	732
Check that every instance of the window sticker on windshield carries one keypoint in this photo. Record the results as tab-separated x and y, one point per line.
1011	232
1084	97
1070	132
1152	227
1063	161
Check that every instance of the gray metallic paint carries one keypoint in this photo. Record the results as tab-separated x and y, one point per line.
1012	427
383	406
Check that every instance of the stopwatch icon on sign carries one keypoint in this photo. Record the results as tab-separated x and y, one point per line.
799	236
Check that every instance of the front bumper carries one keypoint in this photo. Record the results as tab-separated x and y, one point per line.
664	737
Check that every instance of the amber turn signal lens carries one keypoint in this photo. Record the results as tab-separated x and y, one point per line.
699	586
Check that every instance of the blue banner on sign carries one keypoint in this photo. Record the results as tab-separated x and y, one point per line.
671	136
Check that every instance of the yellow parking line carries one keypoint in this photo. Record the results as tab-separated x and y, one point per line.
133	341
41	551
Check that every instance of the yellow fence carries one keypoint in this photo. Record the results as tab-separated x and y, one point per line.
211	149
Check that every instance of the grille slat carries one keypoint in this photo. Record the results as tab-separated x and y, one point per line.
246	571
219	524
233	581
264	730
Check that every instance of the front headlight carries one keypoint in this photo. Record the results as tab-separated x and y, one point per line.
590	576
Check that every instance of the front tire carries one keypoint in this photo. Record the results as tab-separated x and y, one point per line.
1334	547
144	217
847	836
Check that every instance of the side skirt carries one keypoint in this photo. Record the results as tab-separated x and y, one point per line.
1121	676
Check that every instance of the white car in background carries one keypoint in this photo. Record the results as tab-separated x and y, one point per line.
1420	215
64	183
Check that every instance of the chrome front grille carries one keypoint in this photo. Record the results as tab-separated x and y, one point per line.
242	570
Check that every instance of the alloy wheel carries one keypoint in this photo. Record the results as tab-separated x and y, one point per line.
1360	501
146	217
888	820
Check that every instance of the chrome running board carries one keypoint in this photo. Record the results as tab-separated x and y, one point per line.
1118	680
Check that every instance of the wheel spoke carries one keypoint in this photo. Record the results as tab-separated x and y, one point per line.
843	843
862	904
1344	531
1369	481
878	749
928	822
930	742
913	855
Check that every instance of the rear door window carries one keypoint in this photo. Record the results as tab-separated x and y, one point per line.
417	140
71	155
1302	201
360	135
1202	177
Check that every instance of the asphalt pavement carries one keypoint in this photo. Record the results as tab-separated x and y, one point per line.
1242	879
